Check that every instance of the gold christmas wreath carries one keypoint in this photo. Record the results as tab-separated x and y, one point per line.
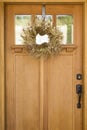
54	45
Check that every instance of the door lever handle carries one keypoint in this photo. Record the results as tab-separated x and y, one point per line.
79	101
79	92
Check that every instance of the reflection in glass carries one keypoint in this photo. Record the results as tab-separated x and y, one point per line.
20	22
65	25
42	39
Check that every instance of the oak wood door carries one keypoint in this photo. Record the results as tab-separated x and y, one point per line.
41	93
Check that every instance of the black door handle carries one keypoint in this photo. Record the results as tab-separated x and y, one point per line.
79	101
79	92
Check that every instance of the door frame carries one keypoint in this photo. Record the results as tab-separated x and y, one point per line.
2	58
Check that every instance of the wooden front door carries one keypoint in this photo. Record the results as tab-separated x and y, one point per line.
41	93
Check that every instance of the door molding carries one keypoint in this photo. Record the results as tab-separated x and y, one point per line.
2	69
2	63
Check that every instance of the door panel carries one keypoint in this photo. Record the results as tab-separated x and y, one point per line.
27	100
60	93
41	93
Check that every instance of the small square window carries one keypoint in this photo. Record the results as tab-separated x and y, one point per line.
20	23
65	24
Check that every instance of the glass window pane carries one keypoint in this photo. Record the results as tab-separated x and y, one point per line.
20	22
48	18
41	39
65	25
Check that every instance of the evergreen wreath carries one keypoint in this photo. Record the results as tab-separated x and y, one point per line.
42	27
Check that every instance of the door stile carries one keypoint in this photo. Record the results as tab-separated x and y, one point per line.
41	91
43	94
2	69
